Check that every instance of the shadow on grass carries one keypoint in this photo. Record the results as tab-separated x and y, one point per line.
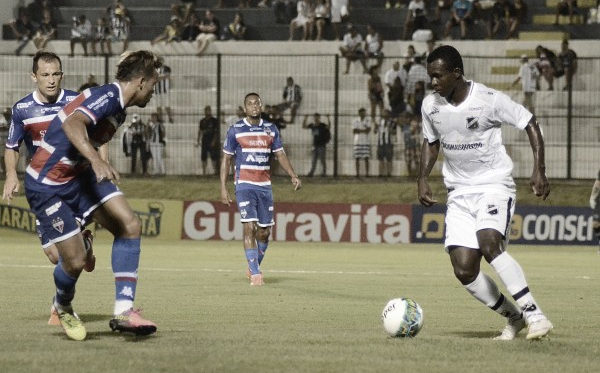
477	334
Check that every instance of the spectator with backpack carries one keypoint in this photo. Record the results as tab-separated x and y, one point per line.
321	137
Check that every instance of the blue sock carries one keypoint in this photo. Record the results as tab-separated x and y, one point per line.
262	247
65	286
125	262
252	257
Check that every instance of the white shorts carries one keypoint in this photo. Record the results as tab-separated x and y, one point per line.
469	213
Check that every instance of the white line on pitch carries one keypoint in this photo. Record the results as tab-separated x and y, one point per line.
221	270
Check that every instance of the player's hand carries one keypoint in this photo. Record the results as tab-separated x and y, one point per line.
11	187
539	184
104	171
425	194
296	182
225	198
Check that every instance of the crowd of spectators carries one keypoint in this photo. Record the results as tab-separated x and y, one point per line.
317	19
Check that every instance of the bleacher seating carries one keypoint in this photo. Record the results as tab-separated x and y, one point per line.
151	16
195	83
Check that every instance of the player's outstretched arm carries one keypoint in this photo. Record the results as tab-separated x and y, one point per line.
11	184
429	154
538	182
287	166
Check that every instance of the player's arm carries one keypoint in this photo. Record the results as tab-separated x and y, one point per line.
103	151
224	174
287	166
429	155
11	184
75	128
538	182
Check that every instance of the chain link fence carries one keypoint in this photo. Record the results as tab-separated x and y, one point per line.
569	119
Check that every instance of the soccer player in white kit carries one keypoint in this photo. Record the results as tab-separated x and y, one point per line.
463	118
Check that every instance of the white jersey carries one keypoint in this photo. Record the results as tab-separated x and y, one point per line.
471	139
528	74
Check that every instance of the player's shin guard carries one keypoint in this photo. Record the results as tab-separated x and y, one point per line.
125	262
513	277
262	247
252	258
486	291
65	287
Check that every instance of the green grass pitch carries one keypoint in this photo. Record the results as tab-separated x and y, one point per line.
320	311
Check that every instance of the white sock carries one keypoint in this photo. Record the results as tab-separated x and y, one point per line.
122	306
486	291
513	277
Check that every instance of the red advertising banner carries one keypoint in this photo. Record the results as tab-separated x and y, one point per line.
304	222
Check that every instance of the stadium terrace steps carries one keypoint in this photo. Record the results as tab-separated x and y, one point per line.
580	3
505	70
543	35
549	19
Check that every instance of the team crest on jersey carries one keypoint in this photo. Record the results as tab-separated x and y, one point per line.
472	123
58	224
434	111
492	209
243	213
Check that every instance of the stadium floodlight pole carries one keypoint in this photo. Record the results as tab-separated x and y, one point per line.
336	104
219	74
569	129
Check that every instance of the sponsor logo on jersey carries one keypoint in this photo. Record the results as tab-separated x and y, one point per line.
53	109
54	208
492	209
472	146
258	143
24	105
257	158
472	123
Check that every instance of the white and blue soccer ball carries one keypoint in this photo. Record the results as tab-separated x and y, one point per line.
402	317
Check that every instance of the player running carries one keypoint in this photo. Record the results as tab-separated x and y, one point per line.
67	181
463	119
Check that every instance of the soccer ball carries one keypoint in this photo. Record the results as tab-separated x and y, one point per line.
402	317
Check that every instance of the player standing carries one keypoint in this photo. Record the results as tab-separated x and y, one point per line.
31	117
253	141
463	118
67	181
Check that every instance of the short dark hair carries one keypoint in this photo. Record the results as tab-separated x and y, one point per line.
449	55
46	57
250	94
137	64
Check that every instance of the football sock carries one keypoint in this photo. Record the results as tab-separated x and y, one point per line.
65	288
125	262
252	257
486	291
511	274
262	247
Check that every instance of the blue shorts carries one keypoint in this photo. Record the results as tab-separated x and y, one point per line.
255	205
62	213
